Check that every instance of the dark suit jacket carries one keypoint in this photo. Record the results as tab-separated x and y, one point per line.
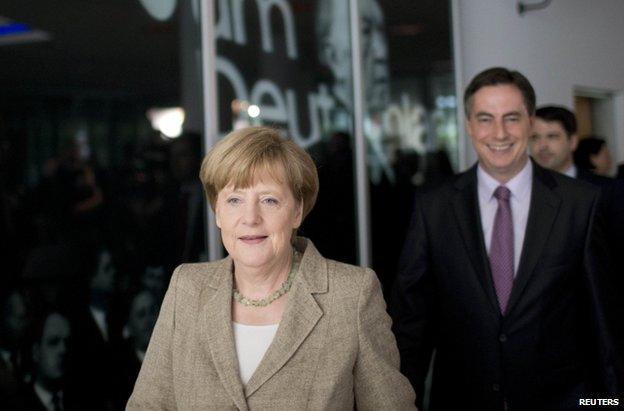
612	205
553	341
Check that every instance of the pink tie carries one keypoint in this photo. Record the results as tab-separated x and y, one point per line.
502	248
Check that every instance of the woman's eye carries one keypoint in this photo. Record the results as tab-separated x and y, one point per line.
270	201
233	200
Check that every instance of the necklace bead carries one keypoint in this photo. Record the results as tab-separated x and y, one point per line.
263	302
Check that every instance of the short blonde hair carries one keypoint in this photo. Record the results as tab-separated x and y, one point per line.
241	155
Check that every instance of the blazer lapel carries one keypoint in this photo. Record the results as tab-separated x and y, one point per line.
301	315
216	326
542	213
466	207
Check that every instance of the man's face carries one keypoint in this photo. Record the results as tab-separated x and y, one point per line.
141	319
500	125
16	319
50	353
104	278
551	146
374	56
336	53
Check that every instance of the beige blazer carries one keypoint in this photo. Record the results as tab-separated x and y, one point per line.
333	349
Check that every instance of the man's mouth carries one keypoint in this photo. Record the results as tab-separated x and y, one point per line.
499	147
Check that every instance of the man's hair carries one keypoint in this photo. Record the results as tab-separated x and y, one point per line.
559	114
499	76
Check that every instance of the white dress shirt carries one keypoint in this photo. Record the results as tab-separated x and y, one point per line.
571	171
520	200
99	316
252	342
47	398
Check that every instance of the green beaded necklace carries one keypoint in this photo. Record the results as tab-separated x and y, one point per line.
263	302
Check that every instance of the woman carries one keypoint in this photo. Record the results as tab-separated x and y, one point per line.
274	325
592	154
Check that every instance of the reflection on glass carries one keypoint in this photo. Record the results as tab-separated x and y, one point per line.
409	123
273	70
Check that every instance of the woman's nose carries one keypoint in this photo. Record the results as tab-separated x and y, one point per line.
251	213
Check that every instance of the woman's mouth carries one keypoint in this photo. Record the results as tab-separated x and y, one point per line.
252	239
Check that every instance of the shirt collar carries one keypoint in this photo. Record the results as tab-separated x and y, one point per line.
571	171
519	185
46	396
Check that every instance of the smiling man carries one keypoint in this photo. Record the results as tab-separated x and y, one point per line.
500	273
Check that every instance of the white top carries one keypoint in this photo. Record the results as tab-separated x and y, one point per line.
520	200
252	342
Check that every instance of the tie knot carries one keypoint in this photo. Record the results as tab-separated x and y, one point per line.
502	193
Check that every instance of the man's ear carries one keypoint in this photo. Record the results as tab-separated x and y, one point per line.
574	140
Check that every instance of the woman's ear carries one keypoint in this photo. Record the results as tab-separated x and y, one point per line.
217	216
298	215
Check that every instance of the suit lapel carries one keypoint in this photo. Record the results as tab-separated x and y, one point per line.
466	207
216	327
301	315
542	213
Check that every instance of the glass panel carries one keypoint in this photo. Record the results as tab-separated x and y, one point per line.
288	64
96	205
410	123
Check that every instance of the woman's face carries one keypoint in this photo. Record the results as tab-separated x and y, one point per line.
257	222
602	161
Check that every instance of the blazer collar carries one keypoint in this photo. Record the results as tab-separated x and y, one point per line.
301	314
543	210
545	202
216	327
466	207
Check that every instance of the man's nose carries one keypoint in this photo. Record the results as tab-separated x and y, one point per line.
501	130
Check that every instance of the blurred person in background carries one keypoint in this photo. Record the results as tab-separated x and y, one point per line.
182	218
95	314
553	146
554	140
49	390
141	317
15	320
592	154
274	325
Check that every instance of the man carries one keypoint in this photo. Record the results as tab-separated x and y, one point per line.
334	52
499	273
554	139
50	354
14	322
552	145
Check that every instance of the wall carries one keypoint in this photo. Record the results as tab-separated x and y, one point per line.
571	43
